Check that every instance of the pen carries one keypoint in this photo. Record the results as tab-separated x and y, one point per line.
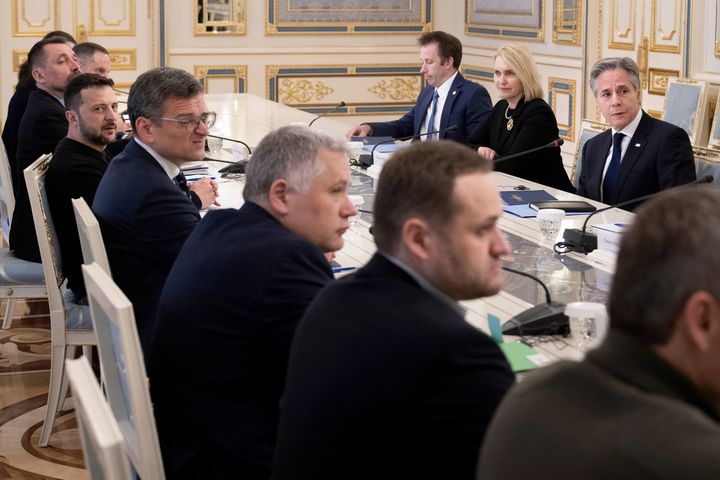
195	179
343	269
620	224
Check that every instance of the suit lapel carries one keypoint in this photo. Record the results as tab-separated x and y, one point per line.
599	157
632	154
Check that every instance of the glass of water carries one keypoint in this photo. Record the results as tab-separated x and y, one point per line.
214	146
549	221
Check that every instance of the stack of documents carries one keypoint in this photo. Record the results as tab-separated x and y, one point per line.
195	169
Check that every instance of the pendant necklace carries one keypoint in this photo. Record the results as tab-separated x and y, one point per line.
509	124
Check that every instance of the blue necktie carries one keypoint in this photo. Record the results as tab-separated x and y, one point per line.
431	122
613	169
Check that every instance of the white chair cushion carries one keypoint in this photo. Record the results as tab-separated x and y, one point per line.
14	271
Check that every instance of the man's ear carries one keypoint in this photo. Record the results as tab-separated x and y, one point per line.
145	129
278	196
37	75
700	320
71	116
416	237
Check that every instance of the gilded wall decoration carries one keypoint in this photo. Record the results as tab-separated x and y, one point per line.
302	91
302	17
315	88
478	74
666	22
237	73
112	17
563	87
219	17
658	79
33	18
18	57
397	89
622	24
567	21
123	59
509	19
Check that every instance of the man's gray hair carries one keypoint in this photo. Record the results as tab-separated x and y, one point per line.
615	63
153	87
290	153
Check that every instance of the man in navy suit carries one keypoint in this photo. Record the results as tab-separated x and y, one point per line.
447	100
143	203
386	379
639	155
232	301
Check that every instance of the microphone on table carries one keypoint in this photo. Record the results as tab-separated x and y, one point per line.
545	319
579	240
555	143
370	159
327	112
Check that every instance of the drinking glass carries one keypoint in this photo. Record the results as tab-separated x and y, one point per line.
549	221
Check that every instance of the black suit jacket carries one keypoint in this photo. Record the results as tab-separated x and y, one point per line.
15	111
534	124
467	106
659	156
42	126
218	359
386	380
145	219
74	172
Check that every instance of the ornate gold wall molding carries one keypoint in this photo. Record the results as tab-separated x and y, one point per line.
34	18
112	17
123	59
219	19
563	87
18	57
622	24
366	88
567	21
237	73
667	20
522	20
658	79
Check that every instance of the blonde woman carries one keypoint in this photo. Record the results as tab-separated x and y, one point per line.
520	121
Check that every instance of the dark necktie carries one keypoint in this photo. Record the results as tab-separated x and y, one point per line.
611	175
431	121
181	182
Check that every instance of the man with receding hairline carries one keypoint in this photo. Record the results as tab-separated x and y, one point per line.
43	125
386	379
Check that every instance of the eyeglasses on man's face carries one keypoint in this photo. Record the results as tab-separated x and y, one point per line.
193	123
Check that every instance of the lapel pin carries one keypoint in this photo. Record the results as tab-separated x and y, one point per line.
454	92
637	144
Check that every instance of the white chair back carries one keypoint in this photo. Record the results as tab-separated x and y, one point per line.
122	360
588	131
7	196
102	441
70	325
91	241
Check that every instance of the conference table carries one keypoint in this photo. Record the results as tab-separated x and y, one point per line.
570	277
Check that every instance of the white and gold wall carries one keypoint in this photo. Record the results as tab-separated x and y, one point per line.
312	54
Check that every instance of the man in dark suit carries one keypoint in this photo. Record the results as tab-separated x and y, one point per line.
639	155
645	403
386	379
447	100
218	359
43	125
78	164
143	203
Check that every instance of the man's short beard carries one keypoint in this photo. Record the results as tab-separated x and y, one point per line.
96	139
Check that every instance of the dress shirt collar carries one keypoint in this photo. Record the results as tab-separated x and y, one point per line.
445	87
424	283
170	168
630	128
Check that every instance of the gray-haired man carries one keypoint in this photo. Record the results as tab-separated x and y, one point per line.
232	301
